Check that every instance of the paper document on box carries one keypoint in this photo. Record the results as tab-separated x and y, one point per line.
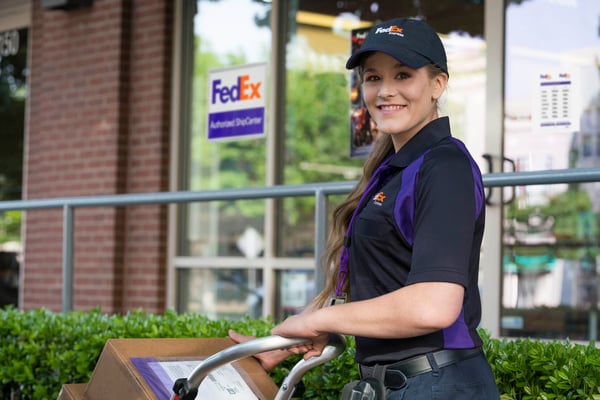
224	382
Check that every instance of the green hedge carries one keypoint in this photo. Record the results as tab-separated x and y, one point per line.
40	350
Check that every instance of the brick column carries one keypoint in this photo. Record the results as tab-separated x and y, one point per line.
98	123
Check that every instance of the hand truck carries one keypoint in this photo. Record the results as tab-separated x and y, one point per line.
187	388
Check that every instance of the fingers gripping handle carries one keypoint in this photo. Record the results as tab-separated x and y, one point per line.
335	346
187	388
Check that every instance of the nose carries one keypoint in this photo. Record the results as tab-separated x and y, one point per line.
386	90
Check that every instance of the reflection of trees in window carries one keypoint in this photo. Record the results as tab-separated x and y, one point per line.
13	73
317	144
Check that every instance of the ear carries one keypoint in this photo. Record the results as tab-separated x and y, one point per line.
439	84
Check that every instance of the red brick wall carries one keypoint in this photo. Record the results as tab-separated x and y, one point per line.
98	124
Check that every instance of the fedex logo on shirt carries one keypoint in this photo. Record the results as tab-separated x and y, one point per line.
243	89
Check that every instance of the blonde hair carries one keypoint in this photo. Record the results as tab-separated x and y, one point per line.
342	214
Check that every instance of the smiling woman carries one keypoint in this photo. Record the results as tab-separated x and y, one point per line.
402	255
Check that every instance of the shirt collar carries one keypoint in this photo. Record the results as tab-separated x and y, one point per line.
425	139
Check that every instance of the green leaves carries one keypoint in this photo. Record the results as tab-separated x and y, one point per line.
41	350
533	369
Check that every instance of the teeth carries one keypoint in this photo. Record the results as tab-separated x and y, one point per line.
389	108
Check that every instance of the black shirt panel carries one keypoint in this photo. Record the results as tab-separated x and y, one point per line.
445	217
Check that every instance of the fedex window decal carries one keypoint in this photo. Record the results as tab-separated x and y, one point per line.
236	102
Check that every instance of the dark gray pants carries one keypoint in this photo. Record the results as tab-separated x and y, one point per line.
469	379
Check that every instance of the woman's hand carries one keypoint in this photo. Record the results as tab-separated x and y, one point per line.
269	359
298	326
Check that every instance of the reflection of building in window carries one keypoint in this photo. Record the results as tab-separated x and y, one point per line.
546	268
223	293
297	287
537	194
537	230
585	148
528	270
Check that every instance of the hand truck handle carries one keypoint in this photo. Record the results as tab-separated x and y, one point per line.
187	388
335	347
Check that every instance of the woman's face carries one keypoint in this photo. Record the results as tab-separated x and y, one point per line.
401	100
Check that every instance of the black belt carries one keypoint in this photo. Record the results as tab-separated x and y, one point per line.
397	373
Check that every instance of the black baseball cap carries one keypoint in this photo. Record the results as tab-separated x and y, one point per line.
411	41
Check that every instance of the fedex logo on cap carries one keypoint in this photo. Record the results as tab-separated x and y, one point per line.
243	89
392	30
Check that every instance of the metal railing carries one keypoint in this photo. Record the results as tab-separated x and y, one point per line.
319	190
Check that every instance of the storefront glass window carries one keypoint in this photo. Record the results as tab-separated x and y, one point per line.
552	121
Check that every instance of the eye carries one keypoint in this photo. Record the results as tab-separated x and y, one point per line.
403	75
371	78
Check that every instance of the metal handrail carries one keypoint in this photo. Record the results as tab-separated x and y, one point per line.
278	191
187	388
319	190
498	179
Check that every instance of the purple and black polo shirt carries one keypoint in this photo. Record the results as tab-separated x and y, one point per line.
423	221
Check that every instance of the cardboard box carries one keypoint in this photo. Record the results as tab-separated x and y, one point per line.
119	373
72	391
